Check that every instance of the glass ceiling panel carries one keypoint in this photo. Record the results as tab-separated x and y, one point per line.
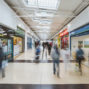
44	4
32	3
48	4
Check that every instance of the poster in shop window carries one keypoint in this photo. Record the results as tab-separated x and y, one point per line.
80	43
86	44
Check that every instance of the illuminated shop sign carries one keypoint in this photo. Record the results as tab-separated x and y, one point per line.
64	32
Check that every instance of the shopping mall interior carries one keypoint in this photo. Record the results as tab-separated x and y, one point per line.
44	44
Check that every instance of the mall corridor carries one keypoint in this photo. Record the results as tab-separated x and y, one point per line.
44	44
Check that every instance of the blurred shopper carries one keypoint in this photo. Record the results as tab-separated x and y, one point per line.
44	45
80	57
49	47
37	51
1	56
1	61
55	56
36	43
66	58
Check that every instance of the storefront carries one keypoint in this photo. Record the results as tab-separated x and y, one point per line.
80	37
64	36
18	41
6	42
17	45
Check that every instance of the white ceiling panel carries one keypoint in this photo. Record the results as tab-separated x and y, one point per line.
53	14
69	5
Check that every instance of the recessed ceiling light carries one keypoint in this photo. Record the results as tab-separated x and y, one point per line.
44	14
43	21
43	27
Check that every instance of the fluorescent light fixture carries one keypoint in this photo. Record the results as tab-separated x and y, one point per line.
42	21
43	27
45	23
39	19
44	4
44	14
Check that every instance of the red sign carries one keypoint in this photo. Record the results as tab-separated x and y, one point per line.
65	32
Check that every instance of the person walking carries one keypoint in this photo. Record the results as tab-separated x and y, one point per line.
80	57
55	56
49	47
1	60
43	44
66	58
37	52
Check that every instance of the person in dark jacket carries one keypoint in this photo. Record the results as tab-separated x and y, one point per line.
1	60
80	57
49	48
1	56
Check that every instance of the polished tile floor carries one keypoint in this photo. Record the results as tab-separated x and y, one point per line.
30	55
30	75
42	73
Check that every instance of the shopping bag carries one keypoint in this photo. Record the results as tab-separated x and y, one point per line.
76	67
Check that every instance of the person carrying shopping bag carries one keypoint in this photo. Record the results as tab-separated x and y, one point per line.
55	56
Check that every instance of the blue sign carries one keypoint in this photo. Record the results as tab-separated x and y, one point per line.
80	30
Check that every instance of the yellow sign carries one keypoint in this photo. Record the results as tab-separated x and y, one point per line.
59	41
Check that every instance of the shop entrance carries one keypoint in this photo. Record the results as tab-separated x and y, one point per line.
7	45
6	41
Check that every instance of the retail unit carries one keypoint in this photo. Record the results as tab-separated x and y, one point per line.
80	37
6	41
64	35
18	41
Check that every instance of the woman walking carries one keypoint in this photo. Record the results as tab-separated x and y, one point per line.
55	56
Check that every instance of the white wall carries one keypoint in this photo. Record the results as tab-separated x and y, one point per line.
80	20
9	18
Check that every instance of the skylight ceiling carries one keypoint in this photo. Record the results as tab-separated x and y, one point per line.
52	13
44	4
